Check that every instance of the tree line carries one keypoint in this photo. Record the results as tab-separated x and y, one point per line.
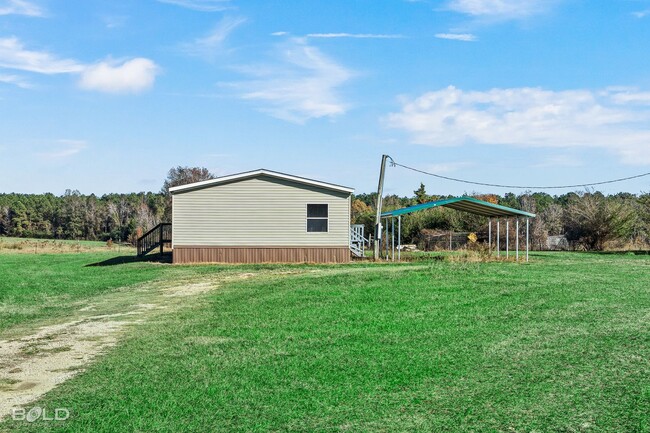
588	220
118	217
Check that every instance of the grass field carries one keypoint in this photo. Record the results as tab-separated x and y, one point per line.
561	344
47	286
9	245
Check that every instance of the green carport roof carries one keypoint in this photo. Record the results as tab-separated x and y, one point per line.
465	204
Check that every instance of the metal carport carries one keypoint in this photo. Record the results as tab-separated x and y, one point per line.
465	204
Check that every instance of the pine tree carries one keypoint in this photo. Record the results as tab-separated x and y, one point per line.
421	194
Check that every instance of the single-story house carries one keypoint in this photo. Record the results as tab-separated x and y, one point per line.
261	216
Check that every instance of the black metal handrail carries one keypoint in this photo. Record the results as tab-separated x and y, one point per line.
156	237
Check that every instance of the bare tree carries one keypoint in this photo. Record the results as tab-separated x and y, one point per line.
552	217
538	231
144	218
592	220
181	176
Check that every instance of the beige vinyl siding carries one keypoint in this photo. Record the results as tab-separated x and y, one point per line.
261	211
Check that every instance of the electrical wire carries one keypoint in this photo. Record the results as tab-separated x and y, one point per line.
496	185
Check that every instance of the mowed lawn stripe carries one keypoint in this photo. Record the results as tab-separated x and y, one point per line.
560	344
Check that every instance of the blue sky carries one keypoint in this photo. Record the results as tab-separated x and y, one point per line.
106	96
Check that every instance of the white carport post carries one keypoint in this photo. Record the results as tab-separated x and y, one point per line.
382	251
379	240
399	238
392	235
490	236
387	239
517	239
498	243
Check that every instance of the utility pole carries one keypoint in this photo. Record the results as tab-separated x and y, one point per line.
380	192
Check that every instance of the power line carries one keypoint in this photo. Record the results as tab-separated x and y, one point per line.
581	185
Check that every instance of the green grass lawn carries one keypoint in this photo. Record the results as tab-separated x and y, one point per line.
47	286
561	344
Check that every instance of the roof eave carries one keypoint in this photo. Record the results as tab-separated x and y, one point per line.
498	210
259	172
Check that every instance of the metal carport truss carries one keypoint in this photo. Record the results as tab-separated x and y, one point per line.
465	204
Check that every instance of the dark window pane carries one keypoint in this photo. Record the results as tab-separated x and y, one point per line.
316	225
316	211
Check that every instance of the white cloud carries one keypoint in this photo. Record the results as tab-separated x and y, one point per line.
641	14
448	167
500	9
63	149
630	96
354	35
201	5
114	21
529	117
13	55
16	80
562	160
20	7
211	43
465	37
302	86
131	76
346	35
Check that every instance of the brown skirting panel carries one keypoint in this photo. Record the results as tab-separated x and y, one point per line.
206	254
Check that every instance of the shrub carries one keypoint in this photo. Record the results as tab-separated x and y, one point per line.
591	220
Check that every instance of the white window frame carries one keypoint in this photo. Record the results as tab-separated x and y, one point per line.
307	218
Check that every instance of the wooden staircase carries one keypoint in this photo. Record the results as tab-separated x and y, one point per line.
357	241
157	237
